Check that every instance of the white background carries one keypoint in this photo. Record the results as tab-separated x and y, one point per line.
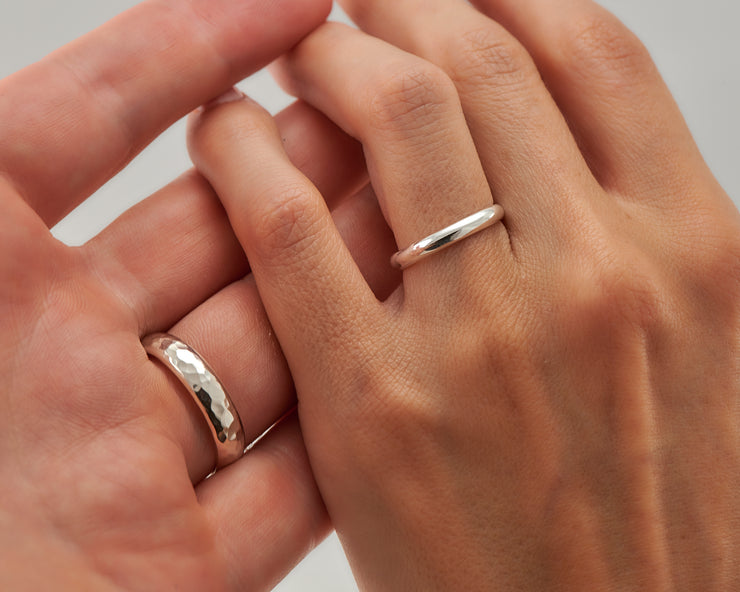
695	44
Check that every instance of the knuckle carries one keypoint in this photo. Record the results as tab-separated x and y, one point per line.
607	290
386	385
290	223
600	45
632	293
486	56
410	423
410	98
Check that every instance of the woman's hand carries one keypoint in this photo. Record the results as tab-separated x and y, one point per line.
553	402
102	453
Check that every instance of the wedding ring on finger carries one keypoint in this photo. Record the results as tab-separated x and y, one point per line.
207	391
447	237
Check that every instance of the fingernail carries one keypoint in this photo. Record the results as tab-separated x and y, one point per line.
230	96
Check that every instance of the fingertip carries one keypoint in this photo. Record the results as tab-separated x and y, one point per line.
230	96
283	69
221	123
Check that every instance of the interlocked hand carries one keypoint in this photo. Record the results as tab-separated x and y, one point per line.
551	404
102	454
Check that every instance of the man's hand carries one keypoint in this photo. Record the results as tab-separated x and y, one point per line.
102	456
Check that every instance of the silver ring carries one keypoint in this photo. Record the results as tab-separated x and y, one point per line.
210	395
447	237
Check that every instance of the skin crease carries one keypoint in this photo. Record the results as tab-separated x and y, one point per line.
553	403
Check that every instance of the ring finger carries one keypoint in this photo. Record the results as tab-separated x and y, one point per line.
421	157
526	147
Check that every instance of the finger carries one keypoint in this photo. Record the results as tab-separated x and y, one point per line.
527	150
266	510
407	114
172	251
232	332
86	110
608	88
305	273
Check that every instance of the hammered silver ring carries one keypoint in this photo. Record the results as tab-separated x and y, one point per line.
207	391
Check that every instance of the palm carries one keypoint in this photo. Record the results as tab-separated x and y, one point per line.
110	464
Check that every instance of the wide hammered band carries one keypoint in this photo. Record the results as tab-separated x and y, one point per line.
210	395
447	237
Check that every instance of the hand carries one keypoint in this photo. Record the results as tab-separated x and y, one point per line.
102	457
553	402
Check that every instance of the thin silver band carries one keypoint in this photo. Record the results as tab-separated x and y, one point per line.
447	237
207	391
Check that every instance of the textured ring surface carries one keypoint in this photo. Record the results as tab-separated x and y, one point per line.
447	237
210	395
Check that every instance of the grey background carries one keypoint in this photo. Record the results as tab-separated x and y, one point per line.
695	44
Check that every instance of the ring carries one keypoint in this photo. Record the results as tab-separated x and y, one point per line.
200	381
447	237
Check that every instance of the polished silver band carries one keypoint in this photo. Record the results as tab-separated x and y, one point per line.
210	395
447	237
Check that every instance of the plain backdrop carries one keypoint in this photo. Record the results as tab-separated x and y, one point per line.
695	44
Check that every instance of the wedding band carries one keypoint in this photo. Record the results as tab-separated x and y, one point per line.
447	237
210	395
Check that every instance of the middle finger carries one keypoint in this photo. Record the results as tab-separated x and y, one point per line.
526	147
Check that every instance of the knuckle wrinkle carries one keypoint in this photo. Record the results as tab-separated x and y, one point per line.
411	98
291	223
487	55
602	46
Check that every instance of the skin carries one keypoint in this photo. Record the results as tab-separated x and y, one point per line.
102	454
551	404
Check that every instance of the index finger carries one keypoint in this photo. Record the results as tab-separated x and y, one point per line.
71	121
